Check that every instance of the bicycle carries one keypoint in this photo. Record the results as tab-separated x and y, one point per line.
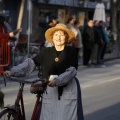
17	111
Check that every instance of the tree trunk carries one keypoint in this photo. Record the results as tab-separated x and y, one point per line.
114	18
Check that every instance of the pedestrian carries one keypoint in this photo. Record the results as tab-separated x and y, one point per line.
70	24
78	42
3	37
9	29
97	47
63	98
105	33
104	45
88	42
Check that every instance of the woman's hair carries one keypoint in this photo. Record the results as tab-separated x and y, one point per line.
2	20
65	33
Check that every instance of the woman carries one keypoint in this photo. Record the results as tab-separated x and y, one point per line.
4	37
78	43
70	25
63	98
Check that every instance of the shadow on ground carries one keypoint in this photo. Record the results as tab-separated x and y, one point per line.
109	113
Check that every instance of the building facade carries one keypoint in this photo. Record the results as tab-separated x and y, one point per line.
37	14
63	9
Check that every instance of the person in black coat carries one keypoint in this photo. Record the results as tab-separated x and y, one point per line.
88	42
98	42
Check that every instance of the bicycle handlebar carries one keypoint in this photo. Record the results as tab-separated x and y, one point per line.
22	80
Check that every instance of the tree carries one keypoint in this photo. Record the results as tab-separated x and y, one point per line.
114	12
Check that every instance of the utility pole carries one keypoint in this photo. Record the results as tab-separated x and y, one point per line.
20	19
29	4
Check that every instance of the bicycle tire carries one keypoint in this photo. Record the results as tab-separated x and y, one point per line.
8	114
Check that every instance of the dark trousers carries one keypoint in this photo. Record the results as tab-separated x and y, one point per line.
77	50
103	51
100	47
86	55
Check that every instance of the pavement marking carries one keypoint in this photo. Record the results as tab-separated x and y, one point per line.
118	78
86	85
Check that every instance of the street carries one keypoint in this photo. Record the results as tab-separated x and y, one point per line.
100	89
100	92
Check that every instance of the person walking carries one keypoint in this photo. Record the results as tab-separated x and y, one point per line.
8	29
63	98
78	42
3	37
70	24
97	48
88	42
104	45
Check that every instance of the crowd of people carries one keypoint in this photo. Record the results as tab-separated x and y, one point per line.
95	40
90	44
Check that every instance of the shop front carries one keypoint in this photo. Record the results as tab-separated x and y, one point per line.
42	14
42	10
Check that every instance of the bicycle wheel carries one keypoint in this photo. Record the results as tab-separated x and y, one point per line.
8	114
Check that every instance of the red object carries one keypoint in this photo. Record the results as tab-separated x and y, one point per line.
4	53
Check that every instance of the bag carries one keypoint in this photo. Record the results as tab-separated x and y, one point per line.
37	88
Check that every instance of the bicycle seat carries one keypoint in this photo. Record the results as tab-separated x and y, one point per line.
37	88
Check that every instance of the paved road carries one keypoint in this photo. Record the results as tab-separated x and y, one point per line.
100	92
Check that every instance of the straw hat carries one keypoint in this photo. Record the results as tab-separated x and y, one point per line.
59	26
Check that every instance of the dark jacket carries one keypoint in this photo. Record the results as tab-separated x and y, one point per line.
102	33
88	37
97	36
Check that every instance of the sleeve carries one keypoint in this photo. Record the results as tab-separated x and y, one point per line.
38	59
8	27
65	77
24	68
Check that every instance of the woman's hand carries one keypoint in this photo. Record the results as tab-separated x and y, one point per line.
52	83
11	34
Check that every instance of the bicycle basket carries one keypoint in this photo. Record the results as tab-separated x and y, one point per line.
37	88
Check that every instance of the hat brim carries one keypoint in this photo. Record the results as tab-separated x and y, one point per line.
49	32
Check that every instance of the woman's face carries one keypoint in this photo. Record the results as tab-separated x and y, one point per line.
59	38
